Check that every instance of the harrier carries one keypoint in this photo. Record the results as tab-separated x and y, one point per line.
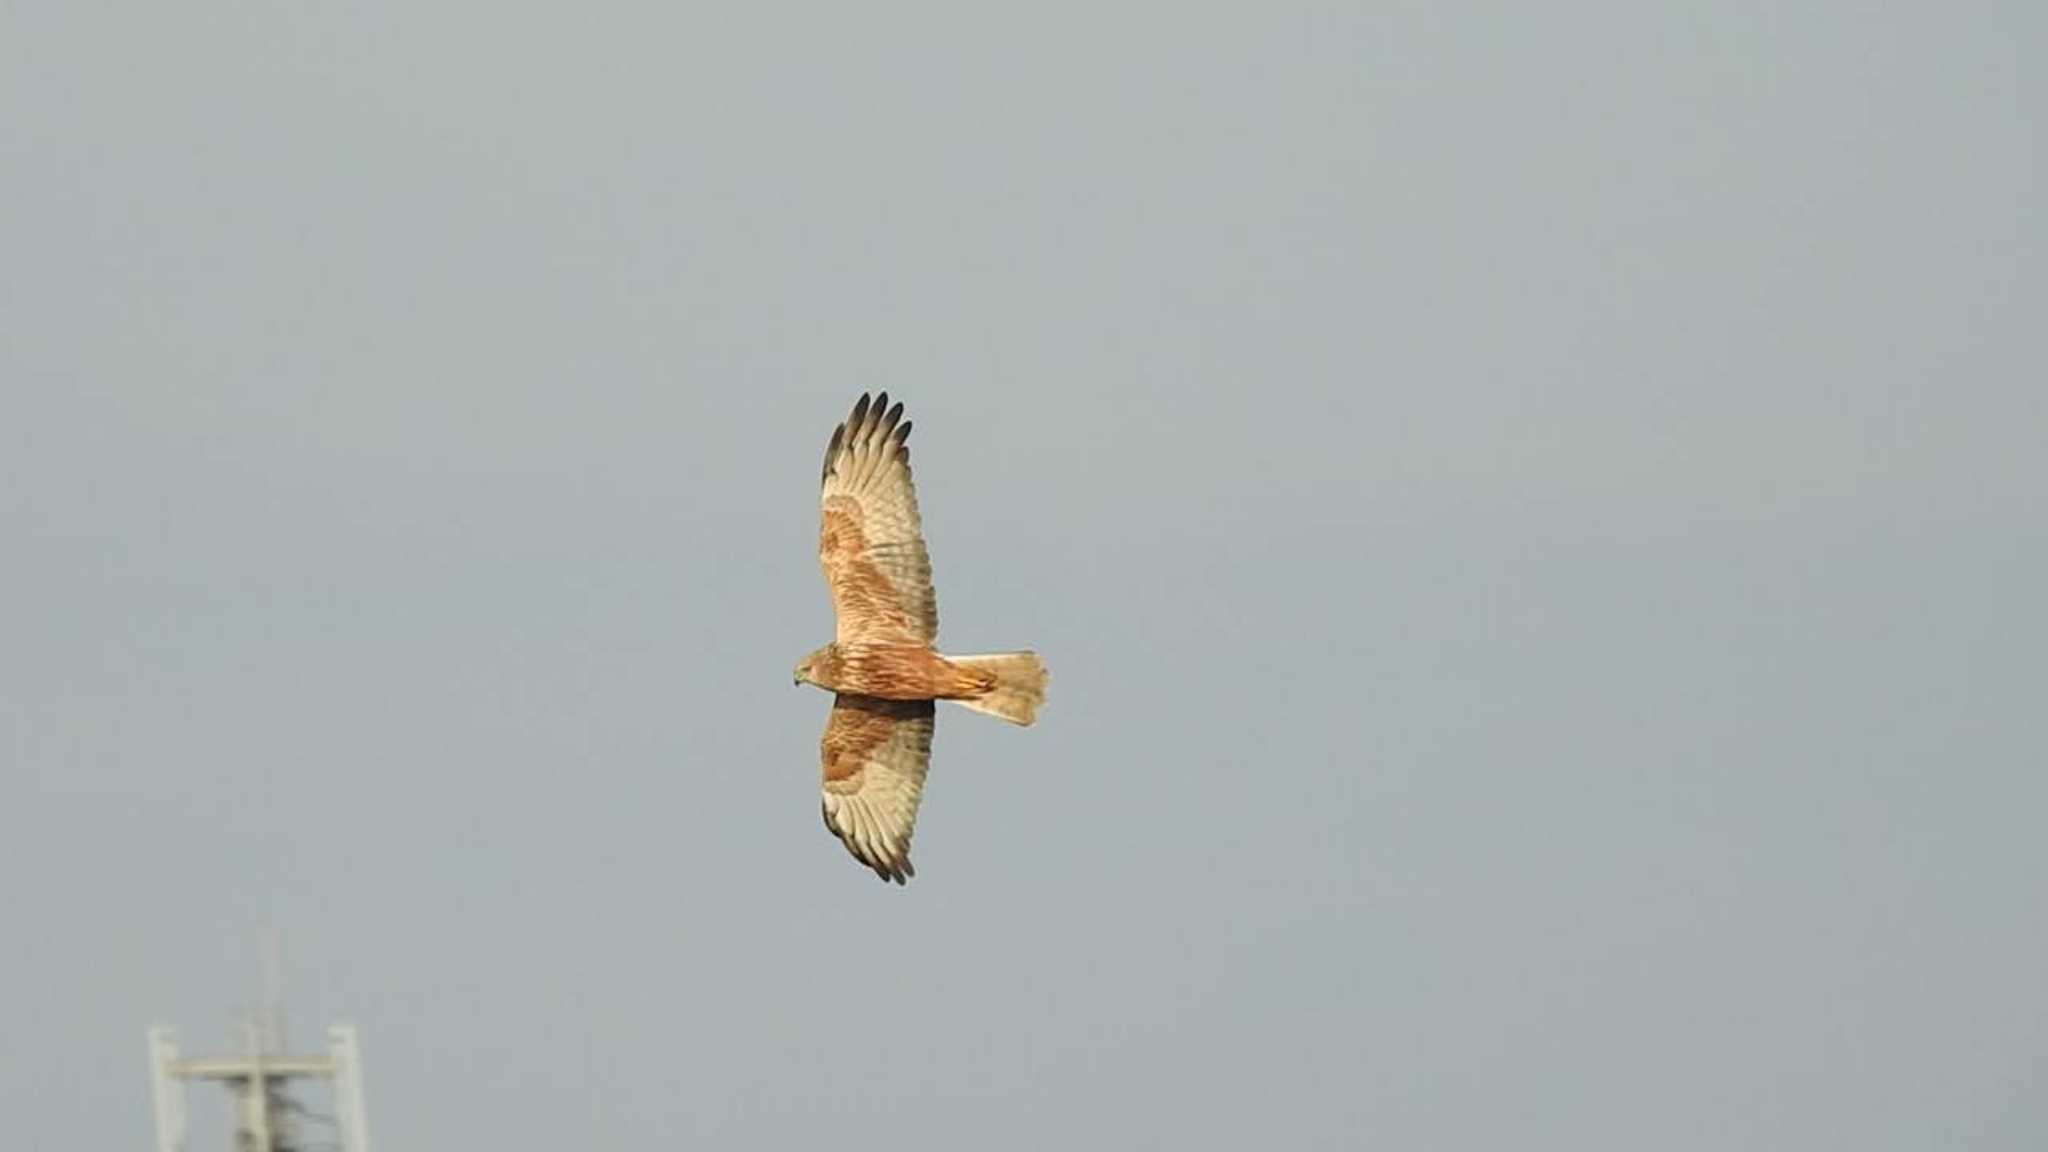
881	667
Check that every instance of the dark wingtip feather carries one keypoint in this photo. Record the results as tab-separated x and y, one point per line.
832	453
884	422
876	412
860	413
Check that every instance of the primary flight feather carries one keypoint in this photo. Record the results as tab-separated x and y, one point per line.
881	667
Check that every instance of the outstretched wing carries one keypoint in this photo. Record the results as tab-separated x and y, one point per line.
875	753
870	540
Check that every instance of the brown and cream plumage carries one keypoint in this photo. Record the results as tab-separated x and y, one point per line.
881	666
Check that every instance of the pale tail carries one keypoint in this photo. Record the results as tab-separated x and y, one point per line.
1020	685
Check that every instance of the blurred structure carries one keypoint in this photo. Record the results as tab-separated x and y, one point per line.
266	1117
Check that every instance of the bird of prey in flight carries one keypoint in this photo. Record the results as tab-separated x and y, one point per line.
881	667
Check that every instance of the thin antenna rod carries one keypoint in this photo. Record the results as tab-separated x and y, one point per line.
271	1014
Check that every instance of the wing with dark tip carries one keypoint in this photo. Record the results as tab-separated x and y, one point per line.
870	538
875	754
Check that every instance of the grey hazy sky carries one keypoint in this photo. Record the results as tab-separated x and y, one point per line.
1533	512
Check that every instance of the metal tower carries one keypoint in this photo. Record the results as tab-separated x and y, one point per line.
267	1119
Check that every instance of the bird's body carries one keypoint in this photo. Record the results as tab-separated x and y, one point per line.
881	665
895	672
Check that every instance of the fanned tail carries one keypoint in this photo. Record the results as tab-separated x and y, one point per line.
1017	690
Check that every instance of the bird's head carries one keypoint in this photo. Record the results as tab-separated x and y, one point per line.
808	668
